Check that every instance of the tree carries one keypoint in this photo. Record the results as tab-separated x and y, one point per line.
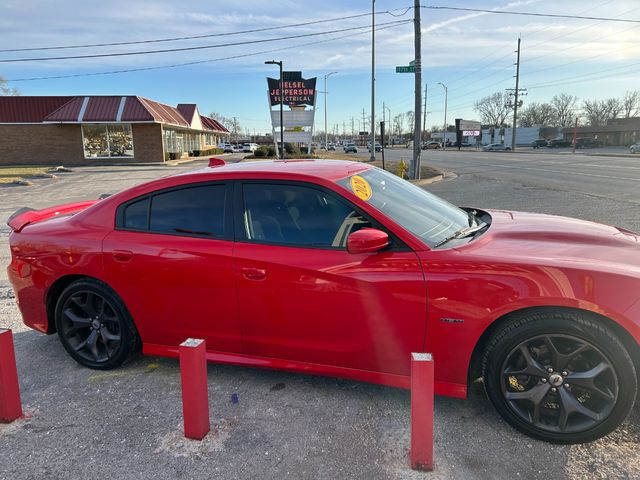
599	112
231	123
493	109
631	104
564	106
409	115
398	124
5	89
537	115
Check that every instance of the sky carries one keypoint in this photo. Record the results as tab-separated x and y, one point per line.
473	54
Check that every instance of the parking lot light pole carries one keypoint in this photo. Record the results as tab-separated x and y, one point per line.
444	133
326	134
279	63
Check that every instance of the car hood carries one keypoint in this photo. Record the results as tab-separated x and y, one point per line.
550	239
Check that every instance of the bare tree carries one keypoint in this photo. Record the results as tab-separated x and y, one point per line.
398	123
599	112
493	109
409	115
537	115
230	123
5	89
564	106
631	104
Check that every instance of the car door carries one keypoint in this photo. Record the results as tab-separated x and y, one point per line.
170	259
302	296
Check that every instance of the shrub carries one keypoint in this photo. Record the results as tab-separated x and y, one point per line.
292	149
260	152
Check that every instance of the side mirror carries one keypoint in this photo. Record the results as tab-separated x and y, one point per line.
367	240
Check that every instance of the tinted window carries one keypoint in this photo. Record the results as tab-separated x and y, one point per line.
194	211
294	215
136	215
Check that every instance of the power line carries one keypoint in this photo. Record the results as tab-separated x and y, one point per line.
210	35
200	47
198	62
532	14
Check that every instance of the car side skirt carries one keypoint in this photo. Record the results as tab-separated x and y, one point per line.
389	379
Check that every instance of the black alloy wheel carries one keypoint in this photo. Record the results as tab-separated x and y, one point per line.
94	326
560	377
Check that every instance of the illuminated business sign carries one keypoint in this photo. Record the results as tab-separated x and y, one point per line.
295	92
471	133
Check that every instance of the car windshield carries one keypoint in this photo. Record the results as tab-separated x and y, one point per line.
430	218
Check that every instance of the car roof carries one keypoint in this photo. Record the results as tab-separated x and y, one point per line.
327	169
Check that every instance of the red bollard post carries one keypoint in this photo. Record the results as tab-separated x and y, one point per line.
10	405
421	453
195	394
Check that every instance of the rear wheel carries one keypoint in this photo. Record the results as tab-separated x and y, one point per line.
559	377
94	325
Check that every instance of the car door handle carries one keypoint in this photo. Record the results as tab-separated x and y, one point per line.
122	255
254	273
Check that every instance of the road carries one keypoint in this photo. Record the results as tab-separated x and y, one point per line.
127	424
598	188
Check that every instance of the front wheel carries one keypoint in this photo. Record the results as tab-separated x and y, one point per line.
94	325
559	377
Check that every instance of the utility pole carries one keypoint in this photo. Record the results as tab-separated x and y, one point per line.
414	169
372	123
424	114
352	129
515	102
364	125
575	130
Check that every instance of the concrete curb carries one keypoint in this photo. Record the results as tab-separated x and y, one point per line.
427	181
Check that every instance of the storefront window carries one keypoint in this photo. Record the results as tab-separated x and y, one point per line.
104	140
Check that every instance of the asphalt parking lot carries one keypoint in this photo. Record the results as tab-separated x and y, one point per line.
127	423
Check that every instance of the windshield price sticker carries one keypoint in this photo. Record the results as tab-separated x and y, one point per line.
361	188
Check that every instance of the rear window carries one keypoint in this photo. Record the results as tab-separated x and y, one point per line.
191	211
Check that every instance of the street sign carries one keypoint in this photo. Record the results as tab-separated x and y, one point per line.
363	134
406	69
412	63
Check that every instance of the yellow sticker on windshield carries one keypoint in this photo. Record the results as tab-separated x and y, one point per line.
361	187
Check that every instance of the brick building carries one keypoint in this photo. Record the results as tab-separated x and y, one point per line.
76	130
617	131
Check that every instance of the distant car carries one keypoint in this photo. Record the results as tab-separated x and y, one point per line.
588	142
432	145
237	149
331	147
496	147
465	144
558	143
378	147
350	148
249	147
541	142
635	148
227	148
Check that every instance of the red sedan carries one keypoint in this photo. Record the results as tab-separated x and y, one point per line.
339	268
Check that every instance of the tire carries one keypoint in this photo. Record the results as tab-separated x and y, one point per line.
589	391
94	325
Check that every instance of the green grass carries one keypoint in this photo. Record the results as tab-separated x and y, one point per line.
14	173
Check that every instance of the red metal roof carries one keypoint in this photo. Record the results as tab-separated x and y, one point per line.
66	113
187	110
210	124
163	113
21	109
94	108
